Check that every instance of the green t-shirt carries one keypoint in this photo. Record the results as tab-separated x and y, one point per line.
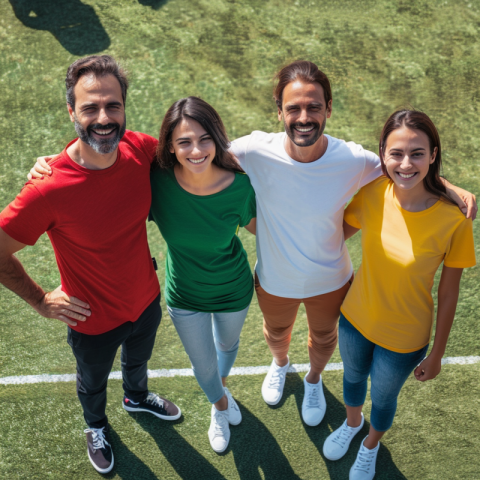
207	268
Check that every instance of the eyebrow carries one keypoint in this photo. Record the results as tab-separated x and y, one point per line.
188	138
93	104
400	150
312	104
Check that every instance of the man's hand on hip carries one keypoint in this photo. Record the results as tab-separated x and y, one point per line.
59	305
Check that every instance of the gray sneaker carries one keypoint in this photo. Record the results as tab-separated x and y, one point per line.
99	449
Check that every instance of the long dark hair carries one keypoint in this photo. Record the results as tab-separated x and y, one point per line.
416	120
203	113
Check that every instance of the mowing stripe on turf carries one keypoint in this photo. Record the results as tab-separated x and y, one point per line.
188	372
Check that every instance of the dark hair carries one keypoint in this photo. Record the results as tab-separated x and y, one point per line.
99	66
300	70
203	113
416	120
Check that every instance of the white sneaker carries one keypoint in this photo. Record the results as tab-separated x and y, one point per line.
337	443
364	466
314	404
234	414
219	431
272	388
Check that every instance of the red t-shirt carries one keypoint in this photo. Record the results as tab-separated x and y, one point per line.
96	221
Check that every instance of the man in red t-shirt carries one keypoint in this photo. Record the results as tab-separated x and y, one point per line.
94	207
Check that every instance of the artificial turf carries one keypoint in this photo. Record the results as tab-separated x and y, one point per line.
379	55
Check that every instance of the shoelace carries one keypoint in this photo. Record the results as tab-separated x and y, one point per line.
154	399
276	379
221	422
98	438
343	435
312	398
364	460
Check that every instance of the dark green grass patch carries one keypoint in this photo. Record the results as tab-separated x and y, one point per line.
432	437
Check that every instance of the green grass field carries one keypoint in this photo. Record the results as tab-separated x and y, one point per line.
379	56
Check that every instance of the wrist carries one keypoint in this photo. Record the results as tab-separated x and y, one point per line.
437	354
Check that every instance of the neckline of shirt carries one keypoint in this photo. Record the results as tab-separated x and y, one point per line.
89	171
201	196
407	212
307	164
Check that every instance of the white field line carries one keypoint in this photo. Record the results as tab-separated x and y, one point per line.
188	372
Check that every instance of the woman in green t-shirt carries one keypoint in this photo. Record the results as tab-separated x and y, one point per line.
200	198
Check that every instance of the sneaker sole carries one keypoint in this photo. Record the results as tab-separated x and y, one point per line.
98	469
268	402
314	424
159	415
238	423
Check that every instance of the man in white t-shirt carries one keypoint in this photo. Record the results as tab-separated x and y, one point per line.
303	179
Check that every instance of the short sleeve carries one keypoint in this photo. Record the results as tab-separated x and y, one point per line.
249	208
150	145
372	169
28	216
239	148
461	250
353	212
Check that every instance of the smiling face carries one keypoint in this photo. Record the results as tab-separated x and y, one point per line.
407	157
99	114
193	146
304	112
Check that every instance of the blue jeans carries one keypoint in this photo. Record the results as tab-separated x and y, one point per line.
211	341
388	371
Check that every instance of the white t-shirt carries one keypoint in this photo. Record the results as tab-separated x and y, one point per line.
300	248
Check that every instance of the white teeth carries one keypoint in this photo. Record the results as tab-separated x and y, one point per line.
103	132
405	175
304	130
195	160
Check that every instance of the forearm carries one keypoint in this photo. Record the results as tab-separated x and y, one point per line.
447	304
14	277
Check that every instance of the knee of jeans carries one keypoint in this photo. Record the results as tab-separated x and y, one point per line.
227	347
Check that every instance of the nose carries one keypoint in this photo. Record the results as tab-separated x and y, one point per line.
406	162
303	118
103	117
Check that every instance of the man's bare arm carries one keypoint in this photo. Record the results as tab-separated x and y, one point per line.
54	304
466	201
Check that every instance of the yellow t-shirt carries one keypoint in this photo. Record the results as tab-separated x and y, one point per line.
390	300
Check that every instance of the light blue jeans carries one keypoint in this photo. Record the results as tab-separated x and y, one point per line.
211	341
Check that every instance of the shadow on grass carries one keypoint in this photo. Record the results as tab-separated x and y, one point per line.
155	4
127	464
255	448
75	25
186	461
334	417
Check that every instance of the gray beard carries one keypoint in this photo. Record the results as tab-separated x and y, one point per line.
100	146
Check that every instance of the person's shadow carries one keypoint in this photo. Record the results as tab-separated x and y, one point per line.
155	4
255	448
186	461
334	417
74	24
126	464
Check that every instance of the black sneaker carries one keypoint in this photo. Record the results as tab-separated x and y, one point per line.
155	404
99	449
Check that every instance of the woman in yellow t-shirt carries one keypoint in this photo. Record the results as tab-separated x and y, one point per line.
409	226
